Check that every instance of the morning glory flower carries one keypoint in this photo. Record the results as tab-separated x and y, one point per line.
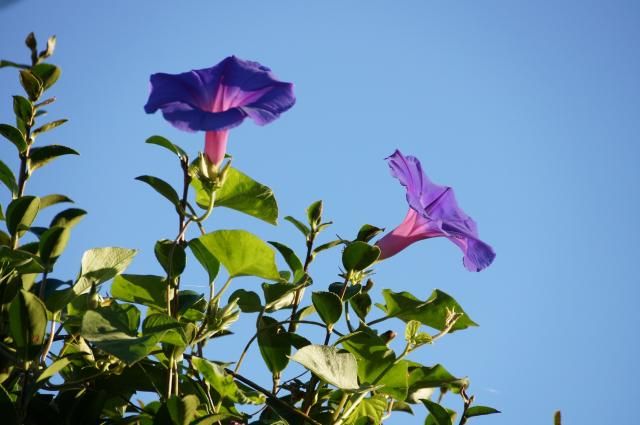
433	212
219	98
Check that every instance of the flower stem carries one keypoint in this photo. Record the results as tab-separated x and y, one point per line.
298	295
272	397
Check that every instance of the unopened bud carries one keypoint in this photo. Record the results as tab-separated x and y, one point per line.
368	286
388	336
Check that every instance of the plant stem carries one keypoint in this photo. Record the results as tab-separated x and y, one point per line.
381	319
467	403
272	397
298	295
255	336
311	394
343	401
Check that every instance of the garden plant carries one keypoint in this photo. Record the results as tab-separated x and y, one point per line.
111	347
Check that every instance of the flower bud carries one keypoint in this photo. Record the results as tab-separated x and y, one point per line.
388	336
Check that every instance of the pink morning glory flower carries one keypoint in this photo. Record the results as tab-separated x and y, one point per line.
219	98
433	212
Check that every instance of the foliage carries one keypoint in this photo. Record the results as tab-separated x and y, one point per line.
71	354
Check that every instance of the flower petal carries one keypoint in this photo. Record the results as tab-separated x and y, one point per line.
220	97
477	254
439	215
421	191
190	119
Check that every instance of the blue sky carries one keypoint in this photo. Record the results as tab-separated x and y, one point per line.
528	109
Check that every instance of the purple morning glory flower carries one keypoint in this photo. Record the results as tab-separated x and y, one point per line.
219	98
433	212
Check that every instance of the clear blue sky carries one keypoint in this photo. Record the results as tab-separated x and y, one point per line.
530	110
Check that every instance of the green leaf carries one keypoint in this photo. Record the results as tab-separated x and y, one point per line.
182	411
162	187
48	200
352	290
109	332
375	359
28	323
47	73
557	418
439	413
241	193
54	368
205	258
274	344
51	46
411	330
14	135
31	43
291	258
241	253
361	304
280	295
22	108
328	306
248	301
68	218
20	214
31	84
480	411
40	156
299	225
102	264
7	177
314	213
166	329
5	63
161	141
369	411
219	380
147	290
49	126
432	312
357	256
22	261
98	266
171	257
424	377
368	232
326	246
333	367
53	242
192	305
